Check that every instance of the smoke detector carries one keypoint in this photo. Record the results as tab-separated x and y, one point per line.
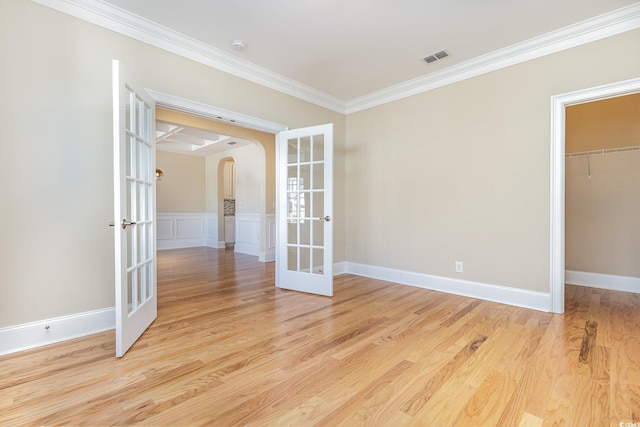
238	44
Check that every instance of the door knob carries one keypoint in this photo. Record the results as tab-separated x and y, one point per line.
123	224
326	218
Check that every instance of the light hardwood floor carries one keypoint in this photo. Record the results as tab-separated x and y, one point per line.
228	348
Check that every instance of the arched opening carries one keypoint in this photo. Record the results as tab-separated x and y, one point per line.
253	197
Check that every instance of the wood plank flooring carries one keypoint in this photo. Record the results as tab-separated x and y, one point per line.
228	348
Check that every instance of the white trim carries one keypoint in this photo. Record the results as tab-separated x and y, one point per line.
557	187
211	239
119	20
248	226
339	268
181	230
49	331
500	294
113	18
269	226
599	27
195	108
603	281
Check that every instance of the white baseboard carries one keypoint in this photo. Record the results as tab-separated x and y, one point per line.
44	332
247	248
339	268
268	256
35	334
505	295
180	243
603	281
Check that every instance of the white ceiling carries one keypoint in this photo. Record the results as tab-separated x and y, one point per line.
181	139
348	49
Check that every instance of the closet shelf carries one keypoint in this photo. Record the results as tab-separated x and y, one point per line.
607	151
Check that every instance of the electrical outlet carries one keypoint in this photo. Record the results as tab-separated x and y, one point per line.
459	267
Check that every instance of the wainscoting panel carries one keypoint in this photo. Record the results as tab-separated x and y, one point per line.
181	230
248	233
164	228
269	252
212	240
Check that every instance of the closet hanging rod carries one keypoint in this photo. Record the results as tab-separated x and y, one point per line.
609	150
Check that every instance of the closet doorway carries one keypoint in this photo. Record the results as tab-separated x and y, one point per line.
602	193
559	105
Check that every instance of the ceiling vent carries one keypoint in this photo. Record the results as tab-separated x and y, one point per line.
436	56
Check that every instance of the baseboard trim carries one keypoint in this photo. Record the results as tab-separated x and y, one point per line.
50	331
267	256
501	294
603	281
339	268
35	334
180	243
247	248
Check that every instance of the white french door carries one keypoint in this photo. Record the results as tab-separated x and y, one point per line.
305	207
134	212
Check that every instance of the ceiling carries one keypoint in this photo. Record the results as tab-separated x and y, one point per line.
182	139
348	49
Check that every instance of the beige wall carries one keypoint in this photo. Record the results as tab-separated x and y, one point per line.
603	210
55	81
603	214
181	190
608	123
462	173
268	154
250	183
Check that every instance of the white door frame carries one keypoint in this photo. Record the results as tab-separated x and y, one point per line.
557	220
199	109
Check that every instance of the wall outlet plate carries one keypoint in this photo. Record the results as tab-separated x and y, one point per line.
459	267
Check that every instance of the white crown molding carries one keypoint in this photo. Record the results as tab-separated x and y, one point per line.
116	19
113	18
195	108
606	25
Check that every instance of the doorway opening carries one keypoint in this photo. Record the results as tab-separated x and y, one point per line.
227	199
557	202
254	173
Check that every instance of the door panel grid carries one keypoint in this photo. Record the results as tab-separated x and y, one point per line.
305	188
134	210
305	195
139	185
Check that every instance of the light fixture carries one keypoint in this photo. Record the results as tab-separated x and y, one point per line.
159	174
